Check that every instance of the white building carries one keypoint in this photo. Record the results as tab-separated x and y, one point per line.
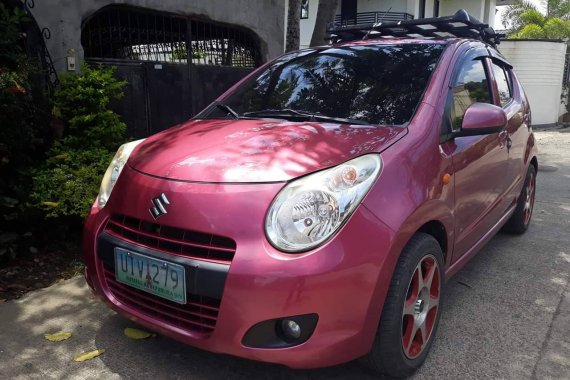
366	11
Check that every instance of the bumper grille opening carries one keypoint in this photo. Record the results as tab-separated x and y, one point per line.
199	314
186	243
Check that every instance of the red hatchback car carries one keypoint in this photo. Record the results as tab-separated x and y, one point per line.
312	214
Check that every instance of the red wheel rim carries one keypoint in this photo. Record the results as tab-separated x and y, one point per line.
421	307
529	198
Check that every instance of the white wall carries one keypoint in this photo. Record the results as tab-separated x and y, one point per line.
474	7
413	7
539	66
382	6
429	8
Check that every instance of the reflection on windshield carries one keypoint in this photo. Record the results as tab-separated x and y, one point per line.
379	84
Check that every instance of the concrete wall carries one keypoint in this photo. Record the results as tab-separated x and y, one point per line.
484	10
63	17
539	66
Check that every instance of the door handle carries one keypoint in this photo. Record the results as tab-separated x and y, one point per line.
504	138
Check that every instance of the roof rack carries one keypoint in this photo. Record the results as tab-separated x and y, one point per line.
461	24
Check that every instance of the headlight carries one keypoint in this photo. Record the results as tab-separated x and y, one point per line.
311	209
114	170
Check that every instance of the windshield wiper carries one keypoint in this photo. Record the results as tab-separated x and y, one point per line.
285	112
228	109
294	114
341	120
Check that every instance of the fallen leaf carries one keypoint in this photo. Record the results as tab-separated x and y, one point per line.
57	337
88	355
138	334
2	301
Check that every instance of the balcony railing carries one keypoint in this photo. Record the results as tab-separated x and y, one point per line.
372	18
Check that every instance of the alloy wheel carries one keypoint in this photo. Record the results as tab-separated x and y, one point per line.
529	200
421	306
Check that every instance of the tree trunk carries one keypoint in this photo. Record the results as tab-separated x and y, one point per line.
325	15
293	26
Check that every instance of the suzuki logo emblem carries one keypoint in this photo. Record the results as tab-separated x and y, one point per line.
159	206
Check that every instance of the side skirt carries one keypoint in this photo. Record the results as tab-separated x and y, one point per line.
460	263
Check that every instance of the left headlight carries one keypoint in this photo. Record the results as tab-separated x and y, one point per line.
114	170
310	210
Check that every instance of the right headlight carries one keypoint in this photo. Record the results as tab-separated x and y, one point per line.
114	171
310	210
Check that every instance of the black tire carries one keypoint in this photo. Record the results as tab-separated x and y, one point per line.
388	355
520	220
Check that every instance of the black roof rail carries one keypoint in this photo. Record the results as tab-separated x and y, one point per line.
461	25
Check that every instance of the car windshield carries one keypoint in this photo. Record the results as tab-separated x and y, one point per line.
380	84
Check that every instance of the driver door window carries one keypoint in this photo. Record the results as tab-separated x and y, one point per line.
471	86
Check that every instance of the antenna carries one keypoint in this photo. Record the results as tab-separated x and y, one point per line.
377	24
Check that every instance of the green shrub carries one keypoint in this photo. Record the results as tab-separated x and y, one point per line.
68	182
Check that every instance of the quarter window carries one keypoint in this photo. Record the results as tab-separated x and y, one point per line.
502	79
471	86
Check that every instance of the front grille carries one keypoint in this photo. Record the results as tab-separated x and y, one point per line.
181	242
199	314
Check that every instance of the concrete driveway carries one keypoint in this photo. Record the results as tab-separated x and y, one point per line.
507	314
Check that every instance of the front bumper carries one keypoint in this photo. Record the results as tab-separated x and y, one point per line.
344	282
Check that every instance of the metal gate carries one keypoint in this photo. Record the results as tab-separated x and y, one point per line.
174	65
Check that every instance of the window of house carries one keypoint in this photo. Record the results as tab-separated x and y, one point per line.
503	84
422	12
471	86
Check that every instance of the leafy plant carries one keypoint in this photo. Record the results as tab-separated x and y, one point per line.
523	19
66	184
181	54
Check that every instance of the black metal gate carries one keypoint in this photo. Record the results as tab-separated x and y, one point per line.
174	65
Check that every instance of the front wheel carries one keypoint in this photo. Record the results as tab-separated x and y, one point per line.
520	220
411	311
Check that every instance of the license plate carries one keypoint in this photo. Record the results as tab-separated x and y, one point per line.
161	278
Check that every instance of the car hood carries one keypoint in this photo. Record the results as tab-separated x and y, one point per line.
228	151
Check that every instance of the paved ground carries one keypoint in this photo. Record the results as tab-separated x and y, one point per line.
507	314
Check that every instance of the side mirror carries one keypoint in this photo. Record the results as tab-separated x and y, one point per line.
483	119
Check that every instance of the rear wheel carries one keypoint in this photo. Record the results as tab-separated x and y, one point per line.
411	312
520	220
